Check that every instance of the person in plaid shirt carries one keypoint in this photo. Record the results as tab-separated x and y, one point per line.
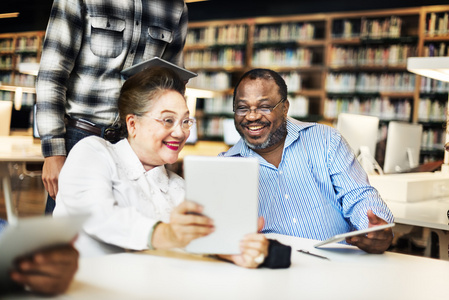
87	44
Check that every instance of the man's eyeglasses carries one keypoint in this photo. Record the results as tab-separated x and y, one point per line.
264	110
170	123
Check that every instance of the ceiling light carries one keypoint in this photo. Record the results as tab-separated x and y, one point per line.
9	15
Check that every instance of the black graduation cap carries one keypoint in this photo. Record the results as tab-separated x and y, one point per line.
184	74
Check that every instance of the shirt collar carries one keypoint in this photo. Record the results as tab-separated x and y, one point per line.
134	169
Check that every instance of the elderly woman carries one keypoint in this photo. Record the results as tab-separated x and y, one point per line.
134	201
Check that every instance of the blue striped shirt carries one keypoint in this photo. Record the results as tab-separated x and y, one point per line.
319	188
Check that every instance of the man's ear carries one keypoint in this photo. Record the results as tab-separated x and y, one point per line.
286	107
131	123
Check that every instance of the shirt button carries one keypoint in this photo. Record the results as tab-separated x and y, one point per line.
294	220
137	23
132	51
280	172
286	196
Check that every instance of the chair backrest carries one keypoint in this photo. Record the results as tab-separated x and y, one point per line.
5	117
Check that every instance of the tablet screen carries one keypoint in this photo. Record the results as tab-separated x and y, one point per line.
227	187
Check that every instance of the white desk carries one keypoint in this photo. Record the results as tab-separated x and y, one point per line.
430	214
15	149
349	274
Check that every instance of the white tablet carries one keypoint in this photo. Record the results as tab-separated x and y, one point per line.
340	237
32	234
227	187
184	74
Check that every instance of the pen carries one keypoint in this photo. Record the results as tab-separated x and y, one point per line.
316	255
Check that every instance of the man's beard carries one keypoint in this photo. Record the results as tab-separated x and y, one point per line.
273	137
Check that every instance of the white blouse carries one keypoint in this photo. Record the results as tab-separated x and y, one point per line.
124	201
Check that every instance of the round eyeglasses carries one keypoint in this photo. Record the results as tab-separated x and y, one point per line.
170	123
242	111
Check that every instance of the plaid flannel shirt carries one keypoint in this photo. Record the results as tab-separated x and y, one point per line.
87	44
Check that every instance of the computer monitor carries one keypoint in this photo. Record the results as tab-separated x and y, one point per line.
361	133
5	117
403	147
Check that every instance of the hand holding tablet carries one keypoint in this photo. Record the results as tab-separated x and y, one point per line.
340	237
33	234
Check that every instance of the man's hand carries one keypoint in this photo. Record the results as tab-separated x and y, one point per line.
373	242
50	173
48	272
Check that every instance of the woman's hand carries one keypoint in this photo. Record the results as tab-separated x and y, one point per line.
186	224
254	249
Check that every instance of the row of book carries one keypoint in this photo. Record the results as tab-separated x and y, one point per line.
221	35
6	62
28	99
6	78
389	27
370	82
22	44
381	28
26	58
431	110
285	32
18	80
437	24
291	57
346	28
392	55
6	95
6	45
24	80
211	127
293	80
433	138
215	58
381	107
429	85
216	81
222	104
27	44
436	49
237	34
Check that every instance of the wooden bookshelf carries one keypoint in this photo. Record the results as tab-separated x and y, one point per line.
16	48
